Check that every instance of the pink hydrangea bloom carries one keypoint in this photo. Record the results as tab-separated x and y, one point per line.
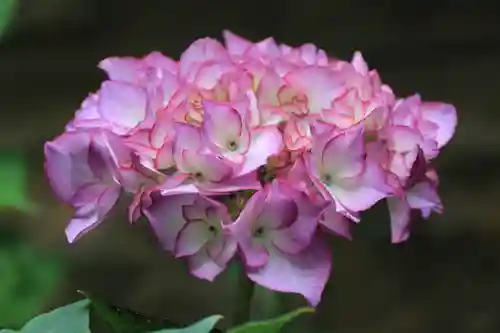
276	234
259	146
193	226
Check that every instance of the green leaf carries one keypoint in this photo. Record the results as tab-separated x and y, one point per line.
73	318
203	326
7	8
123	320
119	324
272	325
14	179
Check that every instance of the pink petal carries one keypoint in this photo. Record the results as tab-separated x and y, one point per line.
264	50
223	125
166	217
265	141
254	252
204	267
121	68
187	137
424	195
297	134
91	214
359	63
320	84
401	138
122	104
280	210
305	273
66	163
88	115
158	60
297	237
248	181
165	156
342	156
267	91
193	236
140	141
235	44
399	211
198	53
445	116
222	249
208	168
163	129
170	85
210	74
360	193
336	222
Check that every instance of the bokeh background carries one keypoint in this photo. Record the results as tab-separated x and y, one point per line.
447	277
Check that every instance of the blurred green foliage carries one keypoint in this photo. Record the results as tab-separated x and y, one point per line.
27	278
14	180
7	8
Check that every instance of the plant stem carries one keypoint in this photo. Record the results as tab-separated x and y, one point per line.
244	295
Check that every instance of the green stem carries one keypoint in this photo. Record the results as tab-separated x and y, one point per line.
244	295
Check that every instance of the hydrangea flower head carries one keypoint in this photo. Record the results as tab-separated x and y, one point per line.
255	150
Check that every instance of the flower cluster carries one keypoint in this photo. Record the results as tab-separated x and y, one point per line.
255	149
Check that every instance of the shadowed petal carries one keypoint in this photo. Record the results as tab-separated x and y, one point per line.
193	236
399	211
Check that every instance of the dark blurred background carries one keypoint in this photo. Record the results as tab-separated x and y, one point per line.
447	277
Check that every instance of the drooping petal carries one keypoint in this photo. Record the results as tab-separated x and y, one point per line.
89	215
424	195
399	211
305	273
66	164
